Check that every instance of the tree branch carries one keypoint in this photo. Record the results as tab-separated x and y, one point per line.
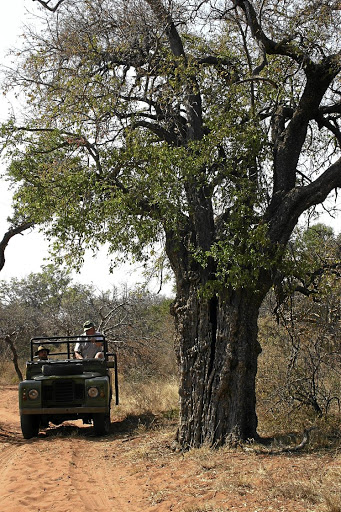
165	18
163	134
72	138
266	44
298	200
332	127
46	4
8	339
8	235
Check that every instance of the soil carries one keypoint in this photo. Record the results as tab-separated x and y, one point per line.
135	469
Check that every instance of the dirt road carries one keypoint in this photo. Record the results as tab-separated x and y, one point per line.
68	469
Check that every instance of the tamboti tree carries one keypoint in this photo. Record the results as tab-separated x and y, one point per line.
206	126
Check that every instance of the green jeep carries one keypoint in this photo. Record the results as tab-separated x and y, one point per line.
62	388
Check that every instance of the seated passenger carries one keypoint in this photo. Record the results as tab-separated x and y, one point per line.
92	348
42	353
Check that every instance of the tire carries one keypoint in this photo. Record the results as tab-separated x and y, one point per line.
101	424
62	369
29	425
44	421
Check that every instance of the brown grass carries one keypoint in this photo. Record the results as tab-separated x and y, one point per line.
308	481
8	375
156	395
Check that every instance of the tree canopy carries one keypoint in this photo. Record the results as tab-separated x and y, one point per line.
133	107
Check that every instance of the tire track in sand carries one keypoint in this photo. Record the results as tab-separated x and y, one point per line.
35	477
99	467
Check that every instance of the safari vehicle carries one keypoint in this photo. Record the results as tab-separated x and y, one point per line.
62	388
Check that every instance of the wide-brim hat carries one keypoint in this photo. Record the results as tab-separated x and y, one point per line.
88	325
41	347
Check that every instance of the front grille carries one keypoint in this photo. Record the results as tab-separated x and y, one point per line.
62	393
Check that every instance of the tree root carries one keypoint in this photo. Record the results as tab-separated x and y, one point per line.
285	449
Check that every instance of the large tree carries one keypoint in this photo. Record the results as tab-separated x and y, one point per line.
206	126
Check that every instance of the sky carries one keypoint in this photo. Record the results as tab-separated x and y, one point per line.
26	253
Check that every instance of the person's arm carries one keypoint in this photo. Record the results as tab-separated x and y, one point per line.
78	351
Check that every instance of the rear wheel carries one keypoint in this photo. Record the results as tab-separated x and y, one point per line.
29	425
101	424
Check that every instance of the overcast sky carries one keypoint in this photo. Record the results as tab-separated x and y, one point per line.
25	253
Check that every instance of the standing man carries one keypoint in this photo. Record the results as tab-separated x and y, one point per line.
92	348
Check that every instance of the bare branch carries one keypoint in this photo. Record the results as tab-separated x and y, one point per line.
332	127
266	44
260	79
299	199
45	4
8	235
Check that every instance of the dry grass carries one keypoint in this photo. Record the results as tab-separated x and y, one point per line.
156	396
207	480
322	488
8	375
318	486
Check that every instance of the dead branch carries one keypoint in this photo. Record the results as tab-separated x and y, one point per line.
46	4
8	235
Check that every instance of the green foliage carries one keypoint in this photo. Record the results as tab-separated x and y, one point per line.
311	261
128	139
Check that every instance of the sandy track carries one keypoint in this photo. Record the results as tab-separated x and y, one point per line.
68	469
65	469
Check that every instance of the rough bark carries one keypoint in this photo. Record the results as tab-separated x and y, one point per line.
217	358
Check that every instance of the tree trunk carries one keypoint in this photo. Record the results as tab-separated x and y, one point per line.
217	355
9	341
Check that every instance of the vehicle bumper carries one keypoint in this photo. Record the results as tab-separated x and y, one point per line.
65	410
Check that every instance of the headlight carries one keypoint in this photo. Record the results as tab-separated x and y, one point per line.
33	394
93	392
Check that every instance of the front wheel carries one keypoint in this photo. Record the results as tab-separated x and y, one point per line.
101	424
29	425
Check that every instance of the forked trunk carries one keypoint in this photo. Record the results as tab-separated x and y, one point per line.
218	351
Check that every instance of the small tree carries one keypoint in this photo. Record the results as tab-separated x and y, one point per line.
310	312
141	324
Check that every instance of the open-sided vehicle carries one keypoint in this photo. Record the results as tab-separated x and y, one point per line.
62	388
